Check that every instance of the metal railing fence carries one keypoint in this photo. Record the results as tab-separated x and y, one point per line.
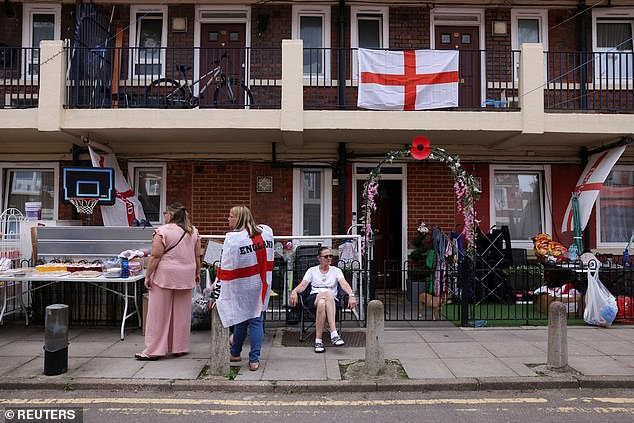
19	82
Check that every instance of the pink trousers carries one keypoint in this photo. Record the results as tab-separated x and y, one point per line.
168	321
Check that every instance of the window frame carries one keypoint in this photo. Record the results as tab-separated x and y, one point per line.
133	182
298	200
612	15
617	246
323	12
542	16
28	10
33	166
134	58
546	198
355	11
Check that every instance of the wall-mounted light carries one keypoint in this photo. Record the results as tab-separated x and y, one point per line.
500	28
179	24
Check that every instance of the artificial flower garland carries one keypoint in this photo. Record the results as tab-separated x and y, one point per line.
465	186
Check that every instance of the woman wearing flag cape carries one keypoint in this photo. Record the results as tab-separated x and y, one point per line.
245	274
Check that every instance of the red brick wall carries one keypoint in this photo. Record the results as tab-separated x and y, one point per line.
562	32
409	27
497	42
430	197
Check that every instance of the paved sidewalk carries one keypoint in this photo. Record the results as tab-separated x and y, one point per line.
435	355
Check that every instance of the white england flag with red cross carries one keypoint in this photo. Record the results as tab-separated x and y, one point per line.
589	184
127	207
408	80
245	274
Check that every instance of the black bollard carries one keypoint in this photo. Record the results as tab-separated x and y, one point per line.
56	340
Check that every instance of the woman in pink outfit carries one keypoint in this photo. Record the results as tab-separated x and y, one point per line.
173	271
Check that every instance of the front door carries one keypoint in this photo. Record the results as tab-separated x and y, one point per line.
466	39
387	227
216	40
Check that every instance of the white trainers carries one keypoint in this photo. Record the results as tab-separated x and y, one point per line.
319	347
337	341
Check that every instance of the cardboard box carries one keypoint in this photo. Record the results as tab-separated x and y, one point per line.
573	303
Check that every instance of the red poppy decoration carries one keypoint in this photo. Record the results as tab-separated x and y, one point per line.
420	148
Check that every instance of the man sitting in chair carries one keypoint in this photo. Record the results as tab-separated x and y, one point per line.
323	279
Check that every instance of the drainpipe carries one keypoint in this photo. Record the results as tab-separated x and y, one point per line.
341	81
341	171
582	23
586	232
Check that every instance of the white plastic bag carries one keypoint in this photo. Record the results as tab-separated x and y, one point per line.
601	308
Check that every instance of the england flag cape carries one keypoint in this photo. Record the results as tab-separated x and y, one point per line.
246	271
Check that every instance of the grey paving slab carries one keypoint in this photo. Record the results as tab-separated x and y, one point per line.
621	347
519	364
292	353
533	335
402	336
627	360
511	348
87	349
124	349
35	367
574	348
444	336
107	334
12	334
8	365
300	369
172	368
247	374
345	353
597	366
32	333
408	350
622	332
333	371
593	334
493	336
428	368
460	350
23	348
478	367
109	368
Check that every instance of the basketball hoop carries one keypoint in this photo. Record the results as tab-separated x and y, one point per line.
84	205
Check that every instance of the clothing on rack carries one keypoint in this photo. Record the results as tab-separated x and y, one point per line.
348	252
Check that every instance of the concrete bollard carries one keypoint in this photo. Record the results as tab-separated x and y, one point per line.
557	337
219	354
375	338
56	339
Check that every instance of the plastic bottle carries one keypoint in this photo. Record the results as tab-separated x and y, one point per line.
573	252
125	270
626	258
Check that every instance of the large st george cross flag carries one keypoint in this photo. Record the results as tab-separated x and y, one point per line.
408	80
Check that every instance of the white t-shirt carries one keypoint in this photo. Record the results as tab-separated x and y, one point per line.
321	282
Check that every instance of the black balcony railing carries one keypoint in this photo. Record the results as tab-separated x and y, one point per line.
586	81
174	78
488	79
19	82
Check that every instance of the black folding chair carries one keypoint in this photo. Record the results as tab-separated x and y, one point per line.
308	315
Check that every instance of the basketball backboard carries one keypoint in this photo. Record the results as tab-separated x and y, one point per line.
88	182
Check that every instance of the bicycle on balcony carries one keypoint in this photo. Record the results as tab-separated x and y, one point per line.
228	91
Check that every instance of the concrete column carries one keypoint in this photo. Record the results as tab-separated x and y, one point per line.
531	92
292	113
219	352
557	337
52	80
375	338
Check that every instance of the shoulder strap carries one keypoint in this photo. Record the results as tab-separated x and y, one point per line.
179	240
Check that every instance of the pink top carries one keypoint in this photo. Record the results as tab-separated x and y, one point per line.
177	268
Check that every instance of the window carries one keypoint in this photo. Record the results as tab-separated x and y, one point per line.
149	186
24	183
369	30
520	198
612	31
41	22
312	25
148	37
528	26
312	201
615	208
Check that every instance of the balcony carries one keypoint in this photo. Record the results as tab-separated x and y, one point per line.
19	69
294	96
